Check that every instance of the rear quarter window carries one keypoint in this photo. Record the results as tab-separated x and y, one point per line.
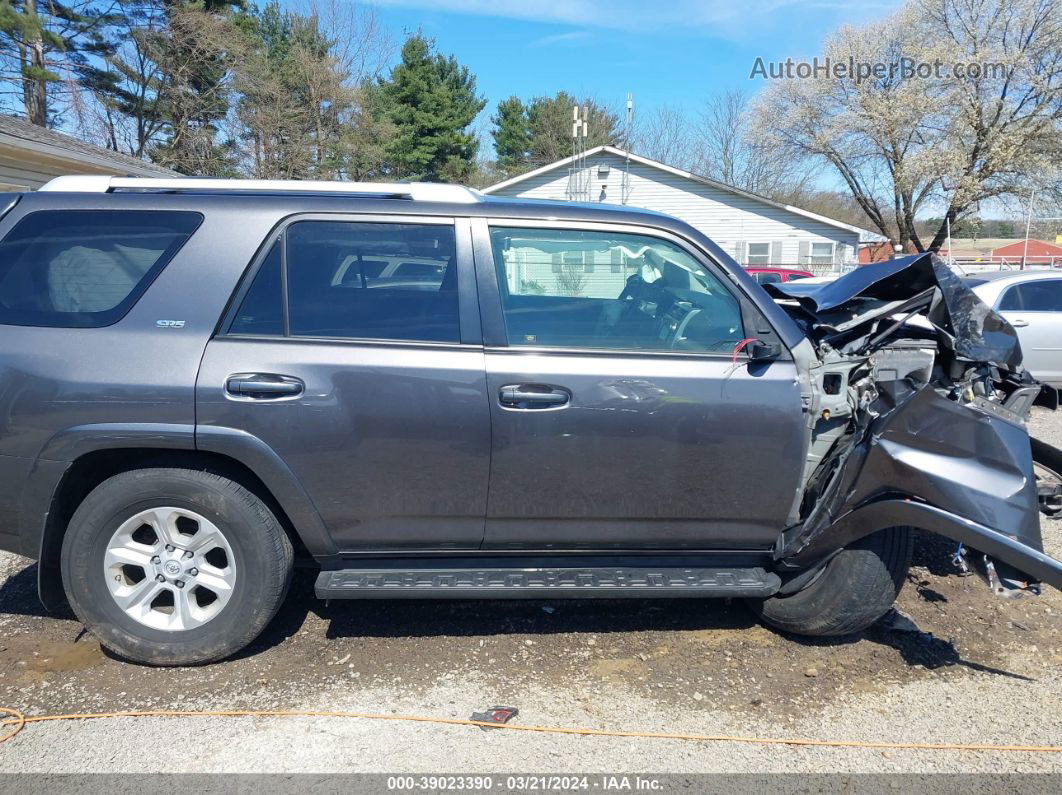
85	268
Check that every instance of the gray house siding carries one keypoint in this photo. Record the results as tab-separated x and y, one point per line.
732	220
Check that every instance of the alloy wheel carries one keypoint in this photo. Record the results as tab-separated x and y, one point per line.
170	569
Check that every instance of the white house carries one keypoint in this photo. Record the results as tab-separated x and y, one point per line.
755	230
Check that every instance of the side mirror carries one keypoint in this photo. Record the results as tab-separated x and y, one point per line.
761	352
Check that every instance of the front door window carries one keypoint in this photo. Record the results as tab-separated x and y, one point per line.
662	299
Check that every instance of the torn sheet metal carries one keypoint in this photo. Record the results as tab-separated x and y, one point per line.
936	436
969	328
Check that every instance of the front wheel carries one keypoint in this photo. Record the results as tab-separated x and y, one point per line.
854	589
174	566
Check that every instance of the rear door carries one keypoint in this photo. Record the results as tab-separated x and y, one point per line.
621	415
1034	308
354	353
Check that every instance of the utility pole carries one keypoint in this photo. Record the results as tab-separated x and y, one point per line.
625	188
951	262
1028	226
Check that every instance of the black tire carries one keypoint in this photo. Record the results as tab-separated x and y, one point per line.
856	588
262	559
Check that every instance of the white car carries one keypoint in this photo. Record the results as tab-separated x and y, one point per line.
1032	302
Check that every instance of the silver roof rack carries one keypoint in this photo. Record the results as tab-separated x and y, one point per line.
417	191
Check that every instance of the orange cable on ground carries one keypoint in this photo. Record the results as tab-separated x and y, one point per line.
18	720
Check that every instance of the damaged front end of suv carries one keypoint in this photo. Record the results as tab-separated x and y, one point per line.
916	402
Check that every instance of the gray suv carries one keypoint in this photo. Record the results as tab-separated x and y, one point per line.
429	393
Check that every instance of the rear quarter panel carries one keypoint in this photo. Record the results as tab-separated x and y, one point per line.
66	391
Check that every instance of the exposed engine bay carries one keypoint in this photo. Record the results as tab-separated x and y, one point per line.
916	402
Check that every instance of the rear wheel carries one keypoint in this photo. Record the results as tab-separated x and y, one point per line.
853	590
174	566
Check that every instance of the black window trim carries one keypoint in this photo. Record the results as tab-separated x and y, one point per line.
141	288
494	330
468	302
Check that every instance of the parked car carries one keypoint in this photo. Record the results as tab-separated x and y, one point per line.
559	400
1031	301
767	275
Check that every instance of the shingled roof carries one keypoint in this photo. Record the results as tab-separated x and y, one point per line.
18	132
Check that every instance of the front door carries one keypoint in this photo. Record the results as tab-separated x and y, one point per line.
621	416
368	381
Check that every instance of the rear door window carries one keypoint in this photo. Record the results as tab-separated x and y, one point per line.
85	268
1033	296
262	310
356	280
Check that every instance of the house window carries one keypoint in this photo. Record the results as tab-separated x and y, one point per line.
759	254
822	253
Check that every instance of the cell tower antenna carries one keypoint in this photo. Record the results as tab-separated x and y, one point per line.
578	178
575	170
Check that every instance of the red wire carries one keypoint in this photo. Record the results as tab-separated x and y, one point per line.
739	346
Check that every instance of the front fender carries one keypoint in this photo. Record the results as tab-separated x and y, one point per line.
958	457
895	512
961	470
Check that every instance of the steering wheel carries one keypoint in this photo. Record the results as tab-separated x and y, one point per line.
626	303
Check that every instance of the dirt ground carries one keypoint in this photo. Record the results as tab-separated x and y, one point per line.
654	664
670	651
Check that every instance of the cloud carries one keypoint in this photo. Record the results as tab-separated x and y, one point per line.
560	38
624	14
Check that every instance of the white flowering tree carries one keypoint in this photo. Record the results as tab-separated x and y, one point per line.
967	107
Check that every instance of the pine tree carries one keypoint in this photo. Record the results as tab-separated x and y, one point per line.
293	96
550	123
431	100
196	54
512	136
41	43
128	83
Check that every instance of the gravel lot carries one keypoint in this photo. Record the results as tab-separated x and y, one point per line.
979	670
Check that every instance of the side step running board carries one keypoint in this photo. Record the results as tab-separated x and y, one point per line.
398	579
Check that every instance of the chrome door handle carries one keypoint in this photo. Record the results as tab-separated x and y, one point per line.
1019	323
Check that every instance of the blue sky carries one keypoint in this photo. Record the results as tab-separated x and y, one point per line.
676	52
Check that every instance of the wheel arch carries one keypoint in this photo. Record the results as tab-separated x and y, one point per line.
296	514
906	511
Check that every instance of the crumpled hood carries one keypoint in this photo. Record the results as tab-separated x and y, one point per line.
849	310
